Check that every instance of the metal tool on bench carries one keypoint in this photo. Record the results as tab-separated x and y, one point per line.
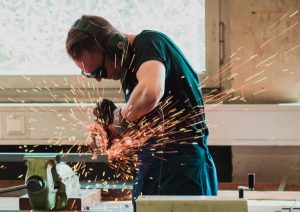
251	185
49	181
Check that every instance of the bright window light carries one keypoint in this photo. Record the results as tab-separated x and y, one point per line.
33	32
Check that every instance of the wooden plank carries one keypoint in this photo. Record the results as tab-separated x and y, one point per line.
262	195
260	186
190	203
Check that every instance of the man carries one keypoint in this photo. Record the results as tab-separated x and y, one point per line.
152	69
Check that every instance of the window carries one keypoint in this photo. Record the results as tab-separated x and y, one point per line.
33	32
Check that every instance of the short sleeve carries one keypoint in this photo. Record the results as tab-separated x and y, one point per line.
149	47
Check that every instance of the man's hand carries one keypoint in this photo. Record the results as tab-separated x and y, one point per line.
104	112
111	118
97	139
120	124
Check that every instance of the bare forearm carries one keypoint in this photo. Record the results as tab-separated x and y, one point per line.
148	92
140	103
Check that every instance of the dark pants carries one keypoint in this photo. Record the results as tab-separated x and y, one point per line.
189	172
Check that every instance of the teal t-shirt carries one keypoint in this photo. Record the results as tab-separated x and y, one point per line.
181	84
198	175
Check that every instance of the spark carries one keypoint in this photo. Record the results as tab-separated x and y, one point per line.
292	49
277	22
240	48
253	56
296	12
262	79
13	100
288	29
133	56
232	55
27	78
284	70
269	58
234	98
232	76
123	152
260	91
271	63
243	99
265	43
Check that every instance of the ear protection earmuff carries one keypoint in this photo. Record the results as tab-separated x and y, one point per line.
114	44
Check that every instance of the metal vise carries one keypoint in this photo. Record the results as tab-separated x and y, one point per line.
49	183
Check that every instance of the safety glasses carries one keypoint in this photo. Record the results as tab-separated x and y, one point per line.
99	73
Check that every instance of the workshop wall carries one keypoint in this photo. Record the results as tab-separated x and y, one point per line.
270	164
261	66
262	50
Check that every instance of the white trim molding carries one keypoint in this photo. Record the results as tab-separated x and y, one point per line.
229	125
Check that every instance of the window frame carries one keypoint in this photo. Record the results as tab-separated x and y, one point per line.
13	86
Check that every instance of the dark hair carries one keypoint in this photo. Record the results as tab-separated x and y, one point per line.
78	41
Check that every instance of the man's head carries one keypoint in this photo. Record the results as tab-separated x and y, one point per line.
97	47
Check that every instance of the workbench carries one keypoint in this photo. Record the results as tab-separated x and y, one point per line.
258	201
